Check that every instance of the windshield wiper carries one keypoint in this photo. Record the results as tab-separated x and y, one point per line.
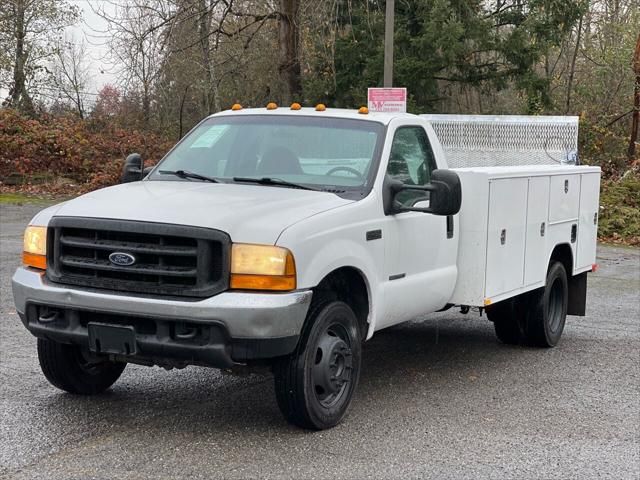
187	174
274	181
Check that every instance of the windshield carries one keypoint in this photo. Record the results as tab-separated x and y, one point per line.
325	153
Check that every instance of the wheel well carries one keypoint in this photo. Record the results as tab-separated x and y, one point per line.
562	253
347	284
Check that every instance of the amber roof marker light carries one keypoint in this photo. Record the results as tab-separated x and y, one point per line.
272	106
236	106
296	106
363	110
321	107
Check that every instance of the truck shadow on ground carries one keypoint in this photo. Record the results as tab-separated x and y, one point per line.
401	364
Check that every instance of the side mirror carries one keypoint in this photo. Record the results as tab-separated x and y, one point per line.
132	170
445	196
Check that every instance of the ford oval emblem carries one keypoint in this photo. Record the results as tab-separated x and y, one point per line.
122	259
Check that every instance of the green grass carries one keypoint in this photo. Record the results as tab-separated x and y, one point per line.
21	199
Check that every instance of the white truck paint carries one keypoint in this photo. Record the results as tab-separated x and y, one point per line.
498	252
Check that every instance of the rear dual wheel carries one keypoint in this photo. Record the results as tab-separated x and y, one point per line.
534	318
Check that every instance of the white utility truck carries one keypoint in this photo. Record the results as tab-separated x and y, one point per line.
286	237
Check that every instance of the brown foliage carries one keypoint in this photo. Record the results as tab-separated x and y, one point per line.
88	154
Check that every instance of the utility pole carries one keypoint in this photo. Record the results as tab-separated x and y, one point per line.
388	44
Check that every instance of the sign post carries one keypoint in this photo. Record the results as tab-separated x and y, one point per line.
388	44
387	100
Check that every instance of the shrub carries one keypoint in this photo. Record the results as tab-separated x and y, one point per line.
67	147
620	209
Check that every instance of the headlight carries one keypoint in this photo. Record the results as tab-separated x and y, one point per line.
34	251
262	267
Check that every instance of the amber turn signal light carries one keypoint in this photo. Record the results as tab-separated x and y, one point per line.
33	260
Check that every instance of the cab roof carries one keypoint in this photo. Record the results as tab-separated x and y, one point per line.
380	117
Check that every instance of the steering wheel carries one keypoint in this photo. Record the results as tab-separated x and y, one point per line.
346	169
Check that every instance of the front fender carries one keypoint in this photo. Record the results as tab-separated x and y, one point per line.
331	258
337	239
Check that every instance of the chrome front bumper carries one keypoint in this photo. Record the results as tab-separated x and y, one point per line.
245	315
222	331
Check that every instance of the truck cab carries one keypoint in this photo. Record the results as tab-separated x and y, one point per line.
286	237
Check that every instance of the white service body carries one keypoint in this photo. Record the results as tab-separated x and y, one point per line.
511	220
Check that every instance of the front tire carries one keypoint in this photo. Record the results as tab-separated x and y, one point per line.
315	384
67	368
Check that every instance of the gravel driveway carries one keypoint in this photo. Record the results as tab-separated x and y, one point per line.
438	397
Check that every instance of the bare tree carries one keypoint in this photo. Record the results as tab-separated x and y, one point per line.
137	45
28	28
70	73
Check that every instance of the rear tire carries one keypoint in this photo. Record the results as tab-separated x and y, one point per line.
547	310
315	384
68	369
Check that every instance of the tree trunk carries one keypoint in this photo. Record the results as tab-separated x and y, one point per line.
289	67
20	98
211	98
572	71
633	139
181	116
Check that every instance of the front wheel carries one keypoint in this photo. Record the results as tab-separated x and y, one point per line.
315	384
69	368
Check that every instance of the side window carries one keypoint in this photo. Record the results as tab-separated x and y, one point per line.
411	161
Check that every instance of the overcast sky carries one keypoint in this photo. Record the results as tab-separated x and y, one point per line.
91	29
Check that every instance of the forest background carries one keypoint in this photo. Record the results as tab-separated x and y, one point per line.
177	61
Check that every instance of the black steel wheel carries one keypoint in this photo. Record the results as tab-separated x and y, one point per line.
68	368
315	384
548	309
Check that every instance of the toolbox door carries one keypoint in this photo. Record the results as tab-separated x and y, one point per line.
535	269
588	222
506	235
564	198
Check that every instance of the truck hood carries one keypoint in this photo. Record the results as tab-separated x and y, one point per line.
248	213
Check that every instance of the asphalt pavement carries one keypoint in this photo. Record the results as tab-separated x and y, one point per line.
438	398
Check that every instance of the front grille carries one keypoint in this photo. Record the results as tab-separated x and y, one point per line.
169	259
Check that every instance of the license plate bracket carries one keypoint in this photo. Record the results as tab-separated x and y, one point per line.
112	339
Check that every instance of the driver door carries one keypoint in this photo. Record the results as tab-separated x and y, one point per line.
420	251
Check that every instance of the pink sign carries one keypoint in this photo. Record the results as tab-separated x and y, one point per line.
387	100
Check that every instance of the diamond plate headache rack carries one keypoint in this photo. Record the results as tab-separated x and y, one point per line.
506	140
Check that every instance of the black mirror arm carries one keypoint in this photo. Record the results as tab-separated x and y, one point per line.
420	188
423	188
